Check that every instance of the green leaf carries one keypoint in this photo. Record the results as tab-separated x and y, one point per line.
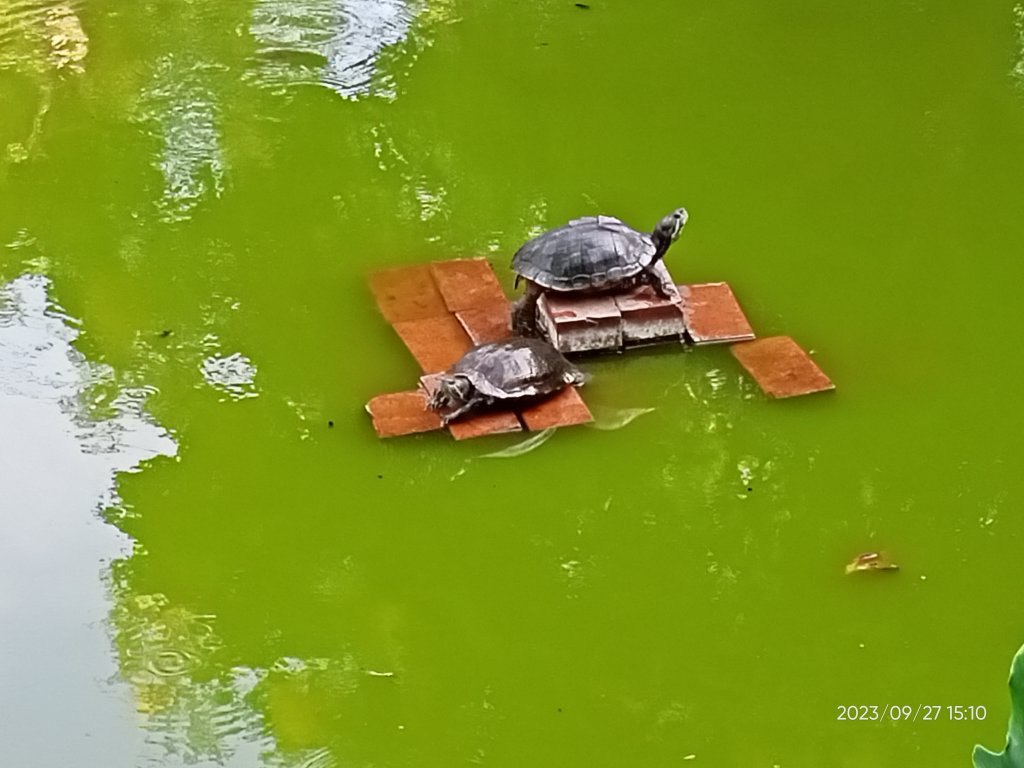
1013	755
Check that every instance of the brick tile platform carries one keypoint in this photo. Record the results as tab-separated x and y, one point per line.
436	342
485	424
781	368
440	310
402	413
712	314
467	283
407	293
491	322
563	410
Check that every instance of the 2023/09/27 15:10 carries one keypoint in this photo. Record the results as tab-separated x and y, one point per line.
922	712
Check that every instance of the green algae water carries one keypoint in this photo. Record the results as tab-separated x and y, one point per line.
192	196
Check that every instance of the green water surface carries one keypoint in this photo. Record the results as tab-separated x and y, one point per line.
209	184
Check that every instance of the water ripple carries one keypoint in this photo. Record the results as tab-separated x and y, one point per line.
333	43
318	758
39	36
47	42
1018	67
234	375
180	108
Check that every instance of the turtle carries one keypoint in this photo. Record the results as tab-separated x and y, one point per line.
591	254
516	369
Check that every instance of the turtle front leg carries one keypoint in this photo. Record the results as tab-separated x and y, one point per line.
524	312
661	285
465	407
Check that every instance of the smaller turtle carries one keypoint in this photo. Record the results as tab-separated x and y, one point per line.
511	370
591	255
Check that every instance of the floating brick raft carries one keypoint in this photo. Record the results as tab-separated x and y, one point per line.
440	310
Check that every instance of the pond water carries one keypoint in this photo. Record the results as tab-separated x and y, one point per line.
208	557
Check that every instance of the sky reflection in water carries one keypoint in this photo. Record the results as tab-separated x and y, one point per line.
58	471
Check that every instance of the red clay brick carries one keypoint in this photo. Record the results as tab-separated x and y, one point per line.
436	342
781	368
580	323
563	410
467	283
491	423
646	317
488	323
712	314
407	293
402	413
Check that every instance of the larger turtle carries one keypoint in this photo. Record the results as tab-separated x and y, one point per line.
503	371
592	254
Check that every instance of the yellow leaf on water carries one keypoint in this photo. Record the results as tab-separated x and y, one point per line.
871	561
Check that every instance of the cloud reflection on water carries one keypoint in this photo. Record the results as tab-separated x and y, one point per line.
58	463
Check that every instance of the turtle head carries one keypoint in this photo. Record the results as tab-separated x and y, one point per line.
452	391
575	377
668	229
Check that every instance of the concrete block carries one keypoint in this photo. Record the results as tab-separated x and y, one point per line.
407	293
562	410
712	314
436	342
467	283
780	367
402	413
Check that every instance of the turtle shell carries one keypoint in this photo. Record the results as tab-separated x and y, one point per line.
516	368
591	253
